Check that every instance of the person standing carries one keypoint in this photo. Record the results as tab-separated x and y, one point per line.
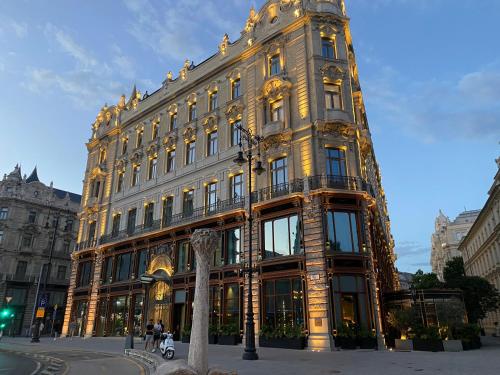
72	328
149	335
156	336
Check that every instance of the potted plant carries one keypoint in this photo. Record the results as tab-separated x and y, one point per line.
213	333
469	335
286	336
367	339
229	334
346	337
450	314
402	320
186	334
428	339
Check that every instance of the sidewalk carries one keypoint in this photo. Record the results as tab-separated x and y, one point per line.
285	362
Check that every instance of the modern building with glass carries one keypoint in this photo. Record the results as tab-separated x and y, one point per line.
162	165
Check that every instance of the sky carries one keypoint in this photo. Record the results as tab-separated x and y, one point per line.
429	70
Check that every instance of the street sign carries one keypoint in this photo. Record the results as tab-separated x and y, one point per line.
8	299
44	300
40	312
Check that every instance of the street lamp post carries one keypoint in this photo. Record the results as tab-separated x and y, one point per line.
252	140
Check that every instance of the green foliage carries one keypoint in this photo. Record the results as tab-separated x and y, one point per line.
347	331
282	331
213	329
404	319
229	330
466	332
186	330
364	333
423	280
427	333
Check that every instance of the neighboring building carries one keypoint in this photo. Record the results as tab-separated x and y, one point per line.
405	279
29	211
447	237
162	165
481	247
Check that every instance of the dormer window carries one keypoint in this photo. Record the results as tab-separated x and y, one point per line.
274	65
192	111
213	100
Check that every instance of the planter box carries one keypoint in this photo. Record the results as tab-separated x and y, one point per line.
212	339
186	339
348	343
428	345
472	344
452	345
404	345
297	343
367	343
228	340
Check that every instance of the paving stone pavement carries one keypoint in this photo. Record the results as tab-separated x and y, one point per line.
485	361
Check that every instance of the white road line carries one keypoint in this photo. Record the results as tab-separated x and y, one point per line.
38	366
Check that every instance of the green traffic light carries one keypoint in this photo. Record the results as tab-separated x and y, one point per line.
2	325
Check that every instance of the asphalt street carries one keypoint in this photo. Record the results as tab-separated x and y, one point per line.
11	363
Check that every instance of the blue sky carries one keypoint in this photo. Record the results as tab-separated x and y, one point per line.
429	69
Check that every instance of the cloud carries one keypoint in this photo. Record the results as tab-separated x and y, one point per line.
123	63
412	255
9	27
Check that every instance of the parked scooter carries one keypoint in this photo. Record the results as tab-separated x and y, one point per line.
167	345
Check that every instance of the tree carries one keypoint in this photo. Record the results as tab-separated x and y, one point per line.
423	280
480	297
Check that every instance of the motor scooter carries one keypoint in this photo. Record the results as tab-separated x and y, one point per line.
167	348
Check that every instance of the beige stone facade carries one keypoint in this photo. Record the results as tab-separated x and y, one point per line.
161	165
447	237
481	247
29	212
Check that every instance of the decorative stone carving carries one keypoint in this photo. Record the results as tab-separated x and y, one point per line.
277	142
338	129
152	150
333	73
184	71
121	164
210	124
234	75
136	157
191	98
276	88
189	133
251	20
224	45
365	143
234	112
204	242
170	140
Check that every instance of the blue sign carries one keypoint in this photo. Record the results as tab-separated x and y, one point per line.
44	300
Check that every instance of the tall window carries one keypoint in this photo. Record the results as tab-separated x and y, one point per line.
236	186
102	156
136	172
350	301
132	214
232	304
167	211
277	110
154	130
107	270
96	187
212	140
1	236
4	213
116	225
140	133
235	89
190	152
124	145
233	245
61	272
84	273
21	269
187	203
213	100
282	236
235	133
92	229
328	48
283	302
333	96
214	305
170	160
279	172
153	167
182	257
148	214
123	263
69	225
119	182
211	197
192	111
173	121
32	217
342	231
142	262
274	65
335	162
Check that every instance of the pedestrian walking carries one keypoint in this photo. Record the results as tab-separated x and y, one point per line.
156	336
148	337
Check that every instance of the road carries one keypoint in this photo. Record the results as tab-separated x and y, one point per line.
11	363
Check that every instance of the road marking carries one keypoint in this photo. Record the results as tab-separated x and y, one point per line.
38	366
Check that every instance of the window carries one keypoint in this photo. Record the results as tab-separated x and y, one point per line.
173	121
142	262
107	270
335	162
32	217
21	269
211	197
214	303
236	186
342	232
96	187
66	247
168	208
84	273
139	138
4	213
182	257
124	145
328	48
187	203
92	228
1	236
170	161
152	170
333	97
274	65
235	133
136	171
119	182
123	262
212	143
235	88
26	240
277	110
232	304
233	245
213	100
69	225
283	303
282	237
61	272
131	220
148	214
102	156
154	130
350	301
192	111
279	172
190	152
116	225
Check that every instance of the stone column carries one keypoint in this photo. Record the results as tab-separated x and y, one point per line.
204	242
94	292
69	302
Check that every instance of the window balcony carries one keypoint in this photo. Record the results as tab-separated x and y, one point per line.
334	115
279	190
340	183
273	128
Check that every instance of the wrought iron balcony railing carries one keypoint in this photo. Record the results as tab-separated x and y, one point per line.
279	190
339	182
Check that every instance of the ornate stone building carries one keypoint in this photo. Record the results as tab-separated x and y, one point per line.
447	237
29	212
161	165
481	247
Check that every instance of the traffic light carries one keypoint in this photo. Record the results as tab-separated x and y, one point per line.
6	313
2	326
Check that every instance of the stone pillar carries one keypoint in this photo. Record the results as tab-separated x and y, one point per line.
69	302
204	242
94	292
